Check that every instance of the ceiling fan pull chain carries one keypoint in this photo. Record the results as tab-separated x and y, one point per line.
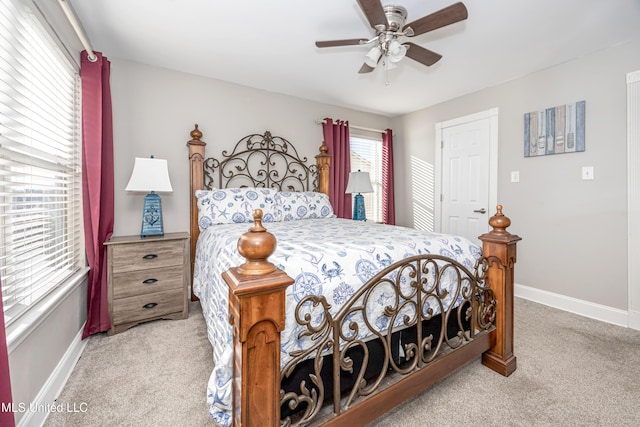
386	74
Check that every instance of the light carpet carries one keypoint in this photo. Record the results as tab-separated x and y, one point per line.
572	371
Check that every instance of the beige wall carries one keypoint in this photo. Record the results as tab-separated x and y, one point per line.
154	110
552	208
574	232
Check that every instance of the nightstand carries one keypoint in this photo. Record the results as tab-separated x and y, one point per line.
148	279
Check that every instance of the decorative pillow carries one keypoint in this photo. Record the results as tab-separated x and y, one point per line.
302	205
234	205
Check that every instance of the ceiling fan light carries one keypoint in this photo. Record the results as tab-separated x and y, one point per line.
396	51
372	57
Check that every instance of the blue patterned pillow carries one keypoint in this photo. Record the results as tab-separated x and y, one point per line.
234	205
292	206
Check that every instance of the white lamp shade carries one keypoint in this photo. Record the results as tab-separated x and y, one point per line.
396	51
371	59
359	182
149	174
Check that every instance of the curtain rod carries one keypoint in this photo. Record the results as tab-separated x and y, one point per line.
64	4
320	122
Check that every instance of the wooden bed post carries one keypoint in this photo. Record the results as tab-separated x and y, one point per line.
323	162
256	311
499	247
196	182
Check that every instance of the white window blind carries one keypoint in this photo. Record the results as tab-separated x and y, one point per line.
40	178
366	155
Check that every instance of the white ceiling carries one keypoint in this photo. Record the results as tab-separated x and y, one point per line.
270	44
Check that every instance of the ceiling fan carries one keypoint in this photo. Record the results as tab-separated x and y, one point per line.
389	45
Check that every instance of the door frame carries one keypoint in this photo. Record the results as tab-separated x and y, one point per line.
492	116
633	200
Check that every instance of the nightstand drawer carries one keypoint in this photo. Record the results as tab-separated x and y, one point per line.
146	255
148	306
131	283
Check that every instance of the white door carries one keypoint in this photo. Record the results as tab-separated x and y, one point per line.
466	172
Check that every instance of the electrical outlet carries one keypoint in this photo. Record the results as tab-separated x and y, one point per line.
515	176
587	173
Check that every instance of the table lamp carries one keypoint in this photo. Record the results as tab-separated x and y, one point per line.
150	174
359	182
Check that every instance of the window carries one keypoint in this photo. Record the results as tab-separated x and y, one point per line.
40	175
366	155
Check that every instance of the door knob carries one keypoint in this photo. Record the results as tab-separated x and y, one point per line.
482	211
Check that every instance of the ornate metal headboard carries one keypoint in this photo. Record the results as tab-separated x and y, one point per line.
261	161
255	161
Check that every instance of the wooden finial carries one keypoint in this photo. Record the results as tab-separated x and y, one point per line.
196	134
195	137
499	222
324	148
256	245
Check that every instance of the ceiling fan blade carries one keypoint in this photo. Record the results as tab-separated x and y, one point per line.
447	16
346	42
374	12
422	55
365	69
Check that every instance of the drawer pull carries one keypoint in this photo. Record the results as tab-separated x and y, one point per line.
150	305
150	256
148	281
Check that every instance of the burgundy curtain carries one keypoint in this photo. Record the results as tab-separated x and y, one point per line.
388	194
6	417
336	138
97	184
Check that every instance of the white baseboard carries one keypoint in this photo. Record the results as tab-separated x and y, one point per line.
581	307
55	383
634	319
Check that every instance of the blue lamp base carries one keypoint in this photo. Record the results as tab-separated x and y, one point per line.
358	208
152	216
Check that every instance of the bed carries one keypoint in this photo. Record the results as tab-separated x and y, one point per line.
319	320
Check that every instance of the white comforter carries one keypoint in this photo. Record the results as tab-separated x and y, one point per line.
330	257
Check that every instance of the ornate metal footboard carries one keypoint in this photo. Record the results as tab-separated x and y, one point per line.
447	314
432	305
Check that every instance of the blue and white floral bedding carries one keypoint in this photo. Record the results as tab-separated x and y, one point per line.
328	256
